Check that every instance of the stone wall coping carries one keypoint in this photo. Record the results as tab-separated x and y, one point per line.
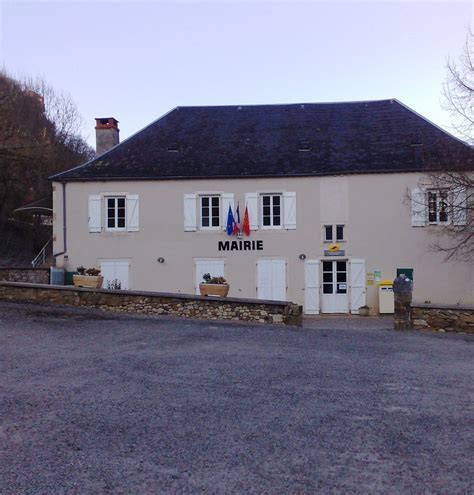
23	268
169	295
453	307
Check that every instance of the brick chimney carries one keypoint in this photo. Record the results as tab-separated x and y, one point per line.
106	134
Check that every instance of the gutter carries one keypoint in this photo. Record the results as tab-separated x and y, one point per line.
64	227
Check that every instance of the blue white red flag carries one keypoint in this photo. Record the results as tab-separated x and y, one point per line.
236	221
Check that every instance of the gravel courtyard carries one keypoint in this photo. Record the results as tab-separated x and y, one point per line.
100	403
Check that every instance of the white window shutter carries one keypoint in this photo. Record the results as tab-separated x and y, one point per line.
357	278
133	213
264	279
311	287
418	207
279	280
459	205
289	210
190	223
252	206
95	213
227	200
115	270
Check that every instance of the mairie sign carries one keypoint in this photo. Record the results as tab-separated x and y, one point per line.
240	245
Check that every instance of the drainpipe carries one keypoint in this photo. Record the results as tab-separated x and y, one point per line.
64	226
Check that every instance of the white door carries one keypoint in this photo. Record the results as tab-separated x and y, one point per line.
271	280
115	274
311	287
358	290
335	294
214	267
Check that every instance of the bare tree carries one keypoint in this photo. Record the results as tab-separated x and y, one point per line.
39	136
444	201
458	90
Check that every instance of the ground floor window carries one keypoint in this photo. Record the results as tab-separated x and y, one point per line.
271	279
115	273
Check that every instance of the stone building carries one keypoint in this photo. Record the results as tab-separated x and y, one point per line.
333	192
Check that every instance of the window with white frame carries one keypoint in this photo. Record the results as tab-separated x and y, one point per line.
210	211
271	211
334	233
115	212
438	208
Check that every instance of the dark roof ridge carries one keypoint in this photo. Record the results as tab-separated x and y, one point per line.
288	104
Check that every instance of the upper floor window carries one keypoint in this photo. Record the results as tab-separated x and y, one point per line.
271	211
438	206
115	211
334	233
210	212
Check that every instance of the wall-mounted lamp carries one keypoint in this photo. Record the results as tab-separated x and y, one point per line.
160	260
302	256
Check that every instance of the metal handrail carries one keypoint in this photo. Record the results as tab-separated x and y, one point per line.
40	258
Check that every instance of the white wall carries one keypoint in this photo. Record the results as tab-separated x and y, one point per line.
373	208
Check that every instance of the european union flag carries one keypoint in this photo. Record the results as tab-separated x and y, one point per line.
230	222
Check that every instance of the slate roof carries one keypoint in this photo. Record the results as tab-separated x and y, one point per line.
278	141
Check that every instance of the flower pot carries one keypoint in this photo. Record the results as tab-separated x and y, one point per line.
214	289
89	281
364	311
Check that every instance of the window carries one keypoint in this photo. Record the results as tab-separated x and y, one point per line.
334	233
438	206
339	232
328	233
115	212
271	211
210	212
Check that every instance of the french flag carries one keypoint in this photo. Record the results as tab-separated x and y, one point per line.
236	228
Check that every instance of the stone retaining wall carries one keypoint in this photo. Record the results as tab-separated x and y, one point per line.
443	318
28	275
214	308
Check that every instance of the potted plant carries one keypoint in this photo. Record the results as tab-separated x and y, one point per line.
214	286
88	278
364	311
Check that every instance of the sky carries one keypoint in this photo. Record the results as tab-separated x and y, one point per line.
136	60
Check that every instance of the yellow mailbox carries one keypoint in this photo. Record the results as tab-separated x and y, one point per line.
386	304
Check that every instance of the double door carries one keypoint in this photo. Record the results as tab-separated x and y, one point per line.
334	286
334	297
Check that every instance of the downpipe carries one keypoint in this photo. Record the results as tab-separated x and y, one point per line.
63	184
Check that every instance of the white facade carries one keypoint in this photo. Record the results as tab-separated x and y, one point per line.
164	235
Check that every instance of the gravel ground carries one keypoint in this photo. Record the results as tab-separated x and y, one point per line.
99	403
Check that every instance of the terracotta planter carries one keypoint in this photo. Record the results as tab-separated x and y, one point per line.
214	289
88	281
364	311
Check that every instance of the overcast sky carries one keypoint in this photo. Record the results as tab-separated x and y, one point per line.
137	60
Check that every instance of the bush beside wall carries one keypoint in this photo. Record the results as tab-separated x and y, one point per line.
184	305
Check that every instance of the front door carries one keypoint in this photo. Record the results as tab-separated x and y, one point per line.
334	298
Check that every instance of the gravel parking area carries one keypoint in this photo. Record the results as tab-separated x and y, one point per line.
100	403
